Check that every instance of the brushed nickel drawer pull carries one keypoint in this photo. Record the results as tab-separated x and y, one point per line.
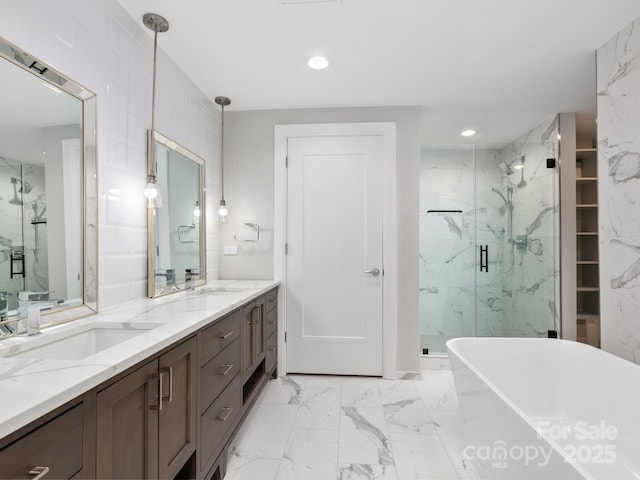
39	472
170	371
225	334
225	368
223	416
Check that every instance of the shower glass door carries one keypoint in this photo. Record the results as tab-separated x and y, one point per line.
447	246
488	240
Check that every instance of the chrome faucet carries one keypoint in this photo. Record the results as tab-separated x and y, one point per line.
190	275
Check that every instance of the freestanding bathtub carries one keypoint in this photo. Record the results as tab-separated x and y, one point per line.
547	409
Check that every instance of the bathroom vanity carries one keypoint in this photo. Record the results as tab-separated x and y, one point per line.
164	403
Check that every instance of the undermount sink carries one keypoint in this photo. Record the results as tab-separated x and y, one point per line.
80	343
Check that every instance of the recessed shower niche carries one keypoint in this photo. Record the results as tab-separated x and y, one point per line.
489	240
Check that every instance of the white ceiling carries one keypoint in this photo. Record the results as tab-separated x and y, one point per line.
500	66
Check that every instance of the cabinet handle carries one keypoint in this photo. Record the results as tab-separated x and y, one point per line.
226	412
39	472
169	398
252	321
225	368
159	406
225	334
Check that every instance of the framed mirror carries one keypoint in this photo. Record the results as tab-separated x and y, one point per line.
48	187
177	258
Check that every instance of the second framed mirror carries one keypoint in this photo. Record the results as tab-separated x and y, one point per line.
176	240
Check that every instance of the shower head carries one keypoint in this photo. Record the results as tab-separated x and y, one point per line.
26	188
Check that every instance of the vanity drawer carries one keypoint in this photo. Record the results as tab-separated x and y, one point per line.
56	445
216	337
219	420
218	373
272	321
271	354
272	299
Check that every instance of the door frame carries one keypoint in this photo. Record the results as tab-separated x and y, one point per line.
389	227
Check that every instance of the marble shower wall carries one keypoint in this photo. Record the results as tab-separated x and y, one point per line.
448	248
530	275
516	296
618	86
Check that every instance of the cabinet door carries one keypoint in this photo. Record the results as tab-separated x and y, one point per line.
253	336
177	422
127	426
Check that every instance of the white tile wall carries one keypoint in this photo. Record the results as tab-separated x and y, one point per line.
98	45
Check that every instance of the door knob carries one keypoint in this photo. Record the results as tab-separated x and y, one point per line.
374	272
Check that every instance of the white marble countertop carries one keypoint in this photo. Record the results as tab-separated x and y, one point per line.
30	388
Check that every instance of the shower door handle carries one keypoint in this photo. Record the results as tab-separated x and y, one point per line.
484	258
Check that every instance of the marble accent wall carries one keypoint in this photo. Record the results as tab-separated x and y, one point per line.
618	86
100	46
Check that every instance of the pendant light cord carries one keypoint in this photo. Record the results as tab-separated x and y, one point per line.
151	164
222	154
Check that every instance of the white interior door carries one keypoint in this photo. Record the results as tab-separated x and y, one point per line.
334	265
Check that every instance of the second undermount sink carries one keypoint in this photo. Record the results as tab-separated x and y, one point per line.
82	342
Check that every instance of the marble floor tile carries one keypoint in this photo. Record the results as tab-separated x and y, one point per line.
363	437
360	392
437	390
264	433
257	469
356	471
284	390
319	407
324	427
421	457
310	455
405	412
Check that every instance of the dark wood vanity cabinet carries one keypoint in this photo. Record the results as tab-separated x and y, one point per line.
146	421
54	446
171	416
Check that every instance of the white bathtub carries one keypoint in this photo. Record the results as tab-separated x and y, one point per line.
547	409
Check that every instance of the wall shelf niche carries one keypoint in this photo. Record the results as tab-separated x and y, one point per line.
587	261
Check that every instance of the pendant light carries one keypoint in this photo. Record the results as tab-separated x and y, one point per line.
222	210
157	24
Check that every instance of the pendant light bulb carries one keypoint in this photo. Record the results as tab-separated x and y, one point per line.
223	211
150	190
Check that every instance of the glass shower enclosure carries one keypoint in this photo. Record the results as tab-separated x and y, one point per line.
489	240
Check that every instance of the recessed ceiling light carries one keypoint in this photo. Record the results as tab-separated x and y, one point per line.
468	133
318	62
